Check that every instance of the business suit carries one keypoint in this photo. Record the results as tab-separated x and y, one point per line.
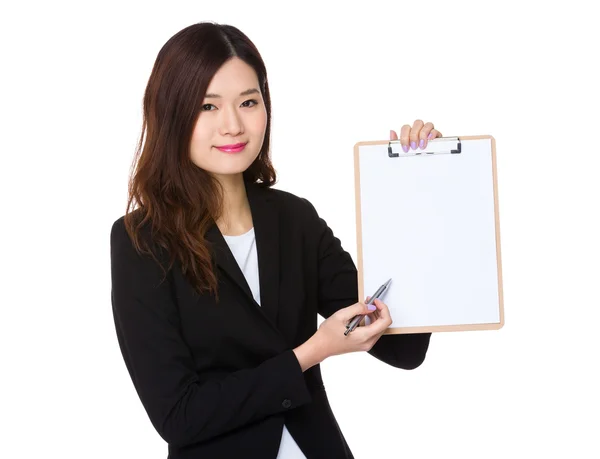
219	380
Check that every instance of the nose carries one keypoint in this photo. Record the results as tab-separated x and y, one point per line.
231	123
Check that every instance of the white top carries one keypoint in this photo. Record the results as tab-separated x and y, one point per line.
243	248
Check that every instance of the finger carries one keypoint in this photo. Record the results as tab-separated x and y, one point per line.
405	137
378	326
381	314
393	135
414	133
434	134
424	135
373	316
384	312
349	312
362	323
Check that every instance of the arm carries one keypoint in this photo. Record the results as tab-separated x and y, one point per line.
338	288
183	409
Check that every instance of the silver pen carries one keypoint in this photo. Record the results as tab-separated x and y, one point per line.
350	326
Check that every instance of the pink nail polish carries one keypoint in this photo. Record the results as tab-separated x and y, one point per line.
430	136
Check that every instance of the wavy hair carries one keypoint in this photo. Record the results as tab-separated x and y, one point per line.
178	199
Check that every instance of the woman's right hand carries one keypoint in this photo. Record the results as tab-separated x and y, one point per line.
330	334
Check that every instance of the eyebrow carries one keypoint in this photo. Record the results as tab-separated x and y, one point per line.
247	92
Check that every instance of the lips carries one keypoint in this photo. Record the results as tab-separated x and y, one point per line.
234	148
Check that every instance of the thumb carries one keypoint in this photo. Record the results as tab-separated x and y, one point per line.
354	310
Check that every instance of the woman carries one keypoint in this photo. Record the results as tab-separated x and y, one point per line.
217	278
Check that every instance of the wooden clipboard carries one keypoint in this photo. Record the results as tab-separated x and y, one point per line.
429	220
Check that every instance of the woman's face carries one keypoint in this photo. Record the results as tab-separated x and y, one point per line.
233	112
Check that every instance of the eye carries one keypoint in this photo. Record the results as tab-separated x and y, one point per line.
254	102
205	109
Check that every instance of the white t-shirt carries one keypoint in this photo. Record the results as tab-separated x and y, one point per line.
243	248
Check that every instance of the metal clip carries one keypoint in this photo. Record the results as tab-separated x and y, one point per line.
441	145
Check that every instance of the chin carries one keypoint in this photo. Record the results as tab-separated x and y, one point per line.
232	169
226	163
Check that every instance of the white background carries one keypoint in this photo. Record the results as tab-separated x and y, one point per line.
72	81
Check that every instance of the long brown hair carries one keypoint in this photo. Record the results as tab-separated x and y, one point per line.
177	198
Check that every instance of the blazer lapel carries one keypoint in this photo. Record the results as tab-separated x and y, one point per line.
225	259
266	229
265	216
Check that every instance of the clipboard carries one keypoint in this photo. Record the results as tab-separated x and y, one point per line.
428	219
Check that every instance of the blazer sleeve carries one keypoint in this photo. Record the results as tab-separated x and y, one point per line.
338	288
183	409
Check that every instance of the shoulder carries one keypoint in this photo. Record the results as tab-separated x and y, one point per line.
122	241
292	204
118	227
118	231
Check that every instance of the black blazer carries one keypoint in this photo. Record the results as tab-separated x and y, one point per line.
220	380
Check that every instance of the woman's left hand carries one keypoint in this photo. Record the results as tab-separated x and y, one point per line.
416	136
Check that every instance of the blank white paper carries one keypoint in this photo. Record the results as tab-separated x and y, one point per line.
428	223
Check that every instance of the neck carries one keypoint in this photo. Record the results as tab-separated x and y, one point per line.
236	217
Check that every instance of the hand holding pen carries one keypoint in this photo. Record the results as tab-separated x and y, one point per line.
329	341
350	326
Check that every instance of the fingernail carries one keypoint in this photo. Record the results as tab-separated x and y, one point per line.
422	143
372	307
391	133
405	148
413	145
430	136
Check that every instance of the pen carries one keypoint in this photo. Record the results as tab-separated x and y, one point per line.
355	321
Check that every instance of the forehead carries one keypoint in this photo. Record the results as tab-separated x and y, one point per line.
233	77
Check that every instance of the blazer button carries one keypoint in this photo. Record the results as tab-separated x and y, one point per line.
286	403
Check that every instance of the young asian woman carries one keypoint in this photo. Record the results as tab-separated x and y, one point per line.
218	278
